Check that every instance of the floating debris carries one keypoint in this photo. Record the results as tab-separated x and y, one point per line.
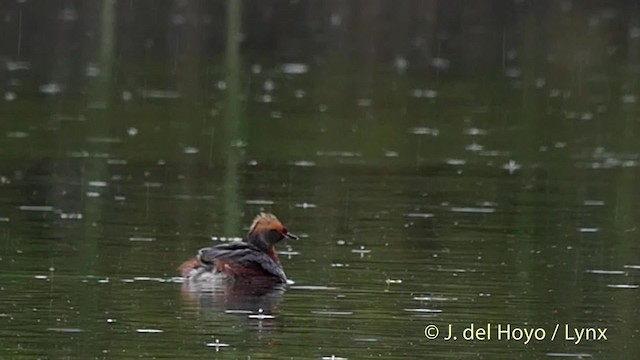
475	131
588	230
98	183
149	331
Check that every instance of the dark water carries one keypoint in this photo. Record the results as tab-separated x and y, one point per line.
445	163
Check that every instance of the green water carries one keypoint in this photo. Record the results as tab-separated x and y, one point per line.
475	168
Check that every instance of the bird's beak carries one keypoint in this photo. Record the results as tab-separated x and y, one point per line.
289	235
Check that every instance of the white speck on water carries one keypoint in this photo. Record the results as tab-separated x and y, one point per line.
221	85
92	194
149	331
340	242
190	150
9	96
158	94
65	330
43	208
299	93
400	63
256	68
475	131
17	65
474	147
629	99
41	277
323	108
51	88
588	230
333	357
266	98
455	162
473	210
420	215
259	202
127	95
4	219
593	203
393	281
335	19
103	281
313	287
269	85
513	73
361	251
430	94
303	163
421	310
364	102
141	238
119	198
440	63
261	315
294	68
217	344
623	286
330	312
68	15
540	83
575	355
132	131
339	265
98	183
434	298
424	131
91	70
71	216
635	267
276	115
389	153
306	205
17	134
110	321
511	166
605	272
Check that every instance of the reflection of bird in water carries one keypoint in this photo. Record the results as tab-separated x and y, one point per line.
241	297
239	276
250	261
